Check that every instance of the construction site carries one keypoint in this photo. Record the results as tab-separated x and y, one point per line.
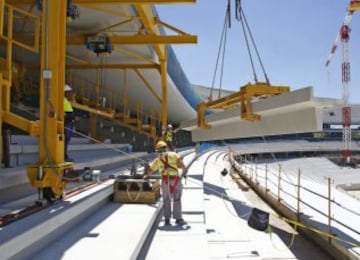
108	150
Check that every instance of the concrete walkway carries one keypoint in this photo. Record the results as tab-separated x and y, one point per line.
217	211
214	207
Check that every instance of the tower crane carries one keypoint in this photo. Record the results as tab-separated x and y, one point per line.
344	36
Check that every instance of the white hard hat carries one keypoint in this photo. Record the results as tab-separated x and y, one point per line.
67	88
169	126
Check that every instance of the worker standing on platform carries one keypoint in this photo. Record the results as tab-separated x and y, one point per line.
168	164
169	136
69	120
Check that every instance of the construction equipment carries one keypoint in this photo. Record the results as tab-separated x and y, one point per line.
99	44
344	36
245	95
130	190
244	98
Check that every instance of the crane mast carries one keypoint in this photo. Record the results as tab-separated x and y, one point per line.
346	108
344	36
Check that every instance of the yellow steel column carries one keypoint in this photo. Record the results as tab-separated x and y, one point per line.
47	175
9	53
163	71
2	2
52	81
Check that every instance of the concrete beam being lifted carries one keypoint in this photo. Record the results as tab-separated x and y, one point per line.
295	112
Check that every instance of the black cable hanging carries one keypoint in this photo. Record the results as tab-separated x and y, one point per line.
248	48
240	16
227	24
222	65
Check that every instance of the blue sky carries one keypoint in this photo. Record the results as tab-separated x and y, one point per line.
294	38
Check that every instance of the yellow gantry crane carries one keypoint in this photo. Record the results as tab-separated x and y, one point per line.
49	173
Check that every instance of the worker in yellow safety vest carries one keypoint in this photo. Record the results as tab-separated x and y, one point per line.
168	164
69	120
169	135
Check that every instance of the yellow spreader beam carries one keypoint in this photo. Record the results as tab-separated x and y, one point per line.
244	98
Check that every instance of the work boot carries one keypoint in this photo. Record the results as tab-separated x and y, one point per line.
180	221
167	222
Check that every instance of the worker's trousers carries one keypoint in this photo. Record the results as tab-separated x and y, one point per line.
168	198
68	131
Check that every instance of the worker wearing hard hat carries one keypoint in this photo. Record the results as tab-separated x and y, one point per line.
69	120
169	135
168	164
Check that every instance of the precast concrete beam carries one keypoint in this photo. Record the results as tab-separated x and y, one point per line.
294	112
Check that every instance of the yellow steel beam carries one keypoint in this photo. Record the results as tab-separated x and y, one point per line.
9	57
158	21
123	40
354	5
21	123
30	43
138	39
151	25
53	45
72	57
146	15
51	167
2	5
95	111
164	98
111	2
112	66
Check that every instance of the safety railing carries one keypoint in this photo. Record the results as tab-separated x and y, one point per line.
129	112
18	35
329	210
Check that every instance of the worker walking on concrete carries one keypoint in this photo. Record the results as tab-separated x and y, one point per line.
168	164
69	120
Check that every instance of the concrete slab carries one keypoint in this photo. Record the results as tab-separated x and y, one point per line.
28	234
299	110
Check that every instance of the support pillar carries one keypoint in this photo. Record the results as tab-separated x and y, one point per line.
48	175
164	100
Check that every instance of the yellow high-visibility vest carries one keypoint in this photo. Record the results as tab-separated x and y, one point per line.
168	136
67	106
172	168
